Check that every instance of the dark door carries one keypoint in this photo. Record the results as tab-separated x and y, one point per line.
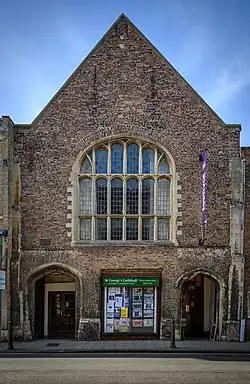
39	309
61	322
193	307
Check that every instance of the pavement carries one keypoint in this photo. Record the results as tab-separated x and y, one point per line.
123	370
127	346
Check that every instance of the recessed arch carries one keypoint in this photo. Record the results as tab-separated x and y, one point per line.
39	282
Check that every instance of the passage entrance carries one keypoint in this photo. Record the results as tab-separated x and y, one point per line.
61	322
199	296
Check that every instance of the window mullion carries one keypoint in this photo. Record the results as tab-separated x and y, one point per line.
124	207
109	160
139	208
93	202
140	159
108	209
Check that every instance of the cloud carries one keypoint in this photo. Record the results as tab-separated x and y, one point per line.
228	83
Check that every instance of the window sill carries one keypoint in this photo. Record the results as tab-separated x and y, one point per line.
123	243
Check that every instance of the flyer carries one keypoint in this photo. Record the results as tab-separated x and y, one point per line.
117	313
148	313
111	297
112	290
117	290
124	325
110	325
118	301
148	305
124	312
116	325
110	306
137	313
148	298
148	290
148	322
137	291
110	315
136	323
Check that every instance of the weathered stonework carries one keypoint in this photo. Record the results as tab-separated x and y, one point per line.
124	88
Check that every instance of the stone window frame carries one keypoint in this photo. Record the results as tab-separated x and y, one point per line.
73	222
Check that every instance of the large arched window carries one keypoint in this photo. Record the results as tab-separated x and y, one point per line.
124	193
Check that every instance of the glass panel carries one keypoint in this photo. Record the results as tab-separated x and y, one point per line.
86	166
147	229
163	166
117	316
85	196
132	196
148	160
101	160
101	229
163	197
85	229
147	196
116	229
116	196
132	229
117	158
132	158
101	196
163	229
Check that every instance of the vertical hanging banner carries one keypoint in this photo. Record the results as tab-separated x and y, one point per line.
203	159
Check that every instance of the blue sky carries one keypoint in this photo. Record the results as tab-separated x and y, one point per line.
207	41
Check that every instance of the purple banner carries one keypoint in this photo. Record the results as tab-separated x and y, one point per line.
203	204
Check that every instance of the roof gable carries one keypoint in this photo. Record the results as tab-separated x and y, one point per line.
119	25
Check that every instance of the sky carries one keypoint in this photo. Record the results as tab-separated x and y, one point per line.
207	41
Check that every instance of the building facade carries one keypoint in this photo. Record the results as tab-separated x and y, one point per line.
102	196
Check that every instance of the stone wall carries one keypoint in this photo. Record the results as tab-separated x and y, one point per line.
125	87
246	155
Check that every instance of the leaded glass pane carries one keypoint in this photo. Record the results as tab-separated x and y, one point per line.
148	160
132	158
116	229
116	196
163	167
132	229
85	229
101	229
163	197
147	229
163	229
147	197
132	196
101	161
86	166
85	196
117	158
101	196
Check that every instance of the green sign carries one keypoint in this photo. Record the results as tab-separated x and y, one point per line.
131	281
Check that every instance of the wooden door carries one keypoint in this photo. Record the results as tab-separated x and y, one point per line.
61	322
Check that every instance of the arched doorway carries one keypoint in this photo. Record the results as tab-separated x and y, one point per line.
54	302
200	304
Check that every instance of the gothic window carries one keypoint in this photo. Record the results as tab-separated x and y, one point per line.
124	193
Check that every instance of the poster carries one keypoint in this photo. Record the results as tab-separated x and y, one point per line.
111	306
116	325
110	315
148	313
112	291
118	301
148	290
117	313
136	323
148	322
117	290
137	298
148	298
124	312
124	325
137	313
111	297
110	325
148	305
137	291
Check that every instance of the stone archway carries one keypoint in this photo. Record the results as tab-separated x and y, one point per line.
201	296
36	287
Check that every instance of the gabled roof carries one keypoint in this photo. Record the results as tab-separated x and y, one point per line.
120	19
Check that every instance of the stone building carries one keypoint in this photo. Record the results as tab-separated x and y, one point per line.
104	196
